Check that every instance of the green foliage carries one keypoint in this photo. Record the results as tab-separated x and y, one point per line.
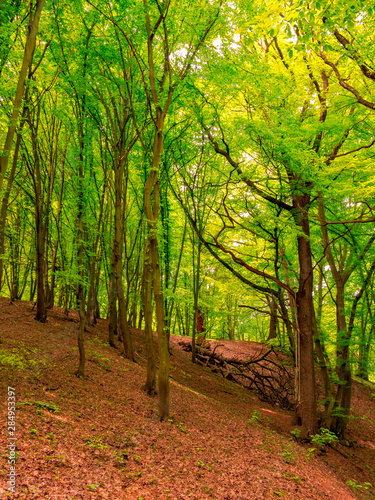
288	457
325	437
255	417
257	113
296	433
40	404
95	442
359	487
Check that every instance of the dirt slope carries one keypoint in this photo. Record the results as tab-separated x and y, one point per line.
100	438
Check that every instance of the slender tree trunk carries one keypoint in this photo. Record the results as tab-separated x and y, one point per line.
40	232
177	272
196	296
4	207
112	299
51	297
26	62
365	346
118	252
152	212
150	386
92	268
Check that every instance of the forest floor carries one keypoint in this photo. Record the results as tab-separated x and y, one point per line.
100	438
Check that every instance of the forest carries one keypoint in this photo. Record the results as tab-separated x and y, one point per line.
201	169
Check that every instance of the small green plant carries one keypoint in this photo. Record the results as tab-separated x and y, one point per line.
12	360
325	437
288	457
310	452
356	486
95	442
200	464
296	433
181	427
40	404
93	487
100	360
255	417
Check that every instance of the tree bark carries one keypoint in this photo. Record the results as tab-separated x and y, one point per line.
152	212
150	386
306	408
26	62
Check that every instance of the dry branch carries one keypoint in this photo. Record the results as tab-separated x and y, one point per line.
269	374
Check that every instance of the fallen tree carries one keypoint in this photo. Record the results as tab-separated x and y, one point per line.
268	373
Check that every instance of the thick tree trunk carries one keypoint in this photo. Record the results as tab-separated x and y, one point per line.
272	332
306	408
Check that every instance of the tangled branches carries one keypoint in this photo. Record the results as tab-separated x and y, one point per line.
268	373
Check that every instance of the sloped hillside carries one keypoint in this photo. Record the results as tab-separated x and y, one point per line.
100	438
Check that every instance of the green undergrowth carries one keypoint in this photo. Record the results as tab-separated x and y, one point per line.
21	356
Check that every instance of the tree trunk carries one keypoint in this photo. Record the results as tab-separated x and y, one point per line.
117	252
196	295
272	333
51	297
112	327
26	62
152	212
150	386
306	408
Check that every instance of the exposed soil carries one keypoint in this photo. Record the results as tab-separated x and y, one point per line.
100	438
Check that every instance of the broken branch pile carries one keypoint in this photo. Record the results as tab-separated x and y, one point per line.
268	372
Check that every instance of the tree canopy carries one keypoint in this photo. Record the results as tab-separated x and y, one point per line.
177	165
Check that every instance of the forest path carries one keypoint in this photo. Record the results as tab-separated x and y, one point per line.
100	438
